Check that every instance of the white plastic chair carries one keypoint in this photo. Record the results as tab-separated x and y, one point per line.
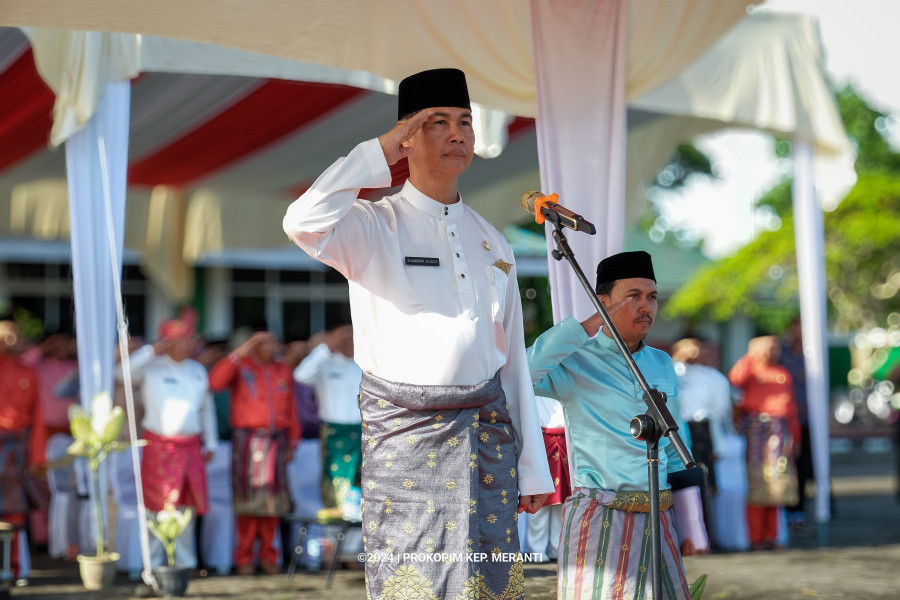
730	501
217	529
64	502
127	541
304	475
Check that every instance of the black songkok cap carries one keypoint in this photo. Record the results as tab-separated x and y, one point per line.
437	87
625	265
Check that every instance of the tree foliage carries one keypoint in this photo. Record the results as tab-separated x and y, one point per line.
688	160
862	246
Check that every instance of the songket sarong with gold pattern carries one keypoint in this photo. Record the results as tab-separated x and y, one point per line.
341	455
440	492
771	470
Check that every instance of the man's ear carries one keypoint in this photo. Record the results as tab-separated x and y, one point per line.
604	299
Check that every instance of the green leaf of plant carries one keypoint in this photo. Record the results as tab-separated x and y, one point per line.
78	448
697	587
114	425
81	428
154	529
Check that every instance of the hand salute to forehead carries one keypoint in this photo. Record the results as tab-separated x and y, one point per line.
391	142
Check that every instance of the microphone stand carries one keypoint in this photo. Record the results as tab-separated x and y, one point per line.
649	427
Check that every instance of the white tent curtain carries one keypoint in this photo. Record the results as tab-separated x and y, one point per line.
95	314
809	231
581	131
77	65
95	168
591	58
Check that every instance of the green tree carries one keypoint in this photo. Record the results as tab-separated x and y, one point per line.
862	246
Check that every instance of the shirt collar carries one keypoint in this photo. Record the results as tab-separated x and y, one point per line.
427	205
610	343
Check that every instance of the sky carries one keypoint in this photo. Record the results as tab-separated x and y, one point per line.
858	42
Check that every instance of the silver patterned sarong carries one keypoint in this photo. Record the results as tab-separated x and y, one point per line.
440	492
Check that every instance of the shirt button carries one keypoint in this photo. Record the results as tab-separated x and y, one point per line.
452	234
446	211
463	275
457	255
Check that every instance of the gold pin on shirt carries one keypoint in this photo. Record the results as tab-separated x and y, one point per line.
486	245
503	265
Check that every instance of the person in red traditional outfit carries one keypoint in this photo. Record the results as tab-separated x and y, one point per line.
545	525
22	433
265	431
180	428
54	361
768	416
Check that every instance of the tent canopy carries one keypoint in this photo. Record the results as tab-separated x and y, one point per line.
220	136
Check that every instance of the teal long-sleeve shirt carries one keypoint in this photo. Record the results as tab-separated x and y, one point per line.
600	396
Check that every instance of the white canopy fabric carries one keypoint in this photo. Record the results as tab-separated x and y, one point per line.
766	74
168	106
490	40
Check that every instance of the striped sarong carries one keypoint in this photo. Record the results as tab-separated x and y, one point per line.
341	455
259	473
440	492
771	470
604	552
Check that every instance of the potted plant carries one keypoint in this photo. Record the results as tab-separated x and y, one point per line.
167	525
95	437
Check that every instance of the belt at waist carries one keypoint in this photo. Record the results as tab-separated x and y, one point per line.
432	397
636	502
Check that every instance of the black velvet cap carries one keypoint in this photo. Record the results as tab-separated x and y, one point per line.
625	265
436	87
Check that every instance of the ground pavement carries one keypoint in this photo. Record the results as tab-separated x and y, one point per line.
860	557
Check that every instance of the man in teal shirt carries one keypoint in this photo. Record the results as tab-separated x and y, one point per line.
604	547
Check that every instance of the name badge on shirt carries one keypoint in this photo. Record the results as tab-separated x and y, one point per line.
422	261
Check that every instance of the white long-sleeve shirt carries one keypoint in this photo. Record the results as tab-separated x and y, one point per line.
336	379
433	290
176	396
705	393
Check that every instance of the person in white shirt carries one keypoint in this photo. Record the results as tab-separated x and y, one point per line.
180	428
704	395
330	369
451	443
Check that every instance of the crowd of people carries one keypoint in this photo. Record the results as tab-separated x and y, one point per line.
433	426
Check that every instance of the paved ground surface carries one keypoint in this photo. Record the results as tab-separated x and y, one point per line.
856	556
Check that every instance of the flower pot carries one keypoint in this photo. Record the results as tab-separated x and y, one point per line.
98	573
172	581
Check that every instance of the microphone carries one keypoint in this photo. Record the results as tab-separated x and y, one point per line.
543	207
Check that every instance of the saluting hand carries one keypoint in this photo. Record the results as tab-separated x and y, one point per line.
247	348
392	141
593	323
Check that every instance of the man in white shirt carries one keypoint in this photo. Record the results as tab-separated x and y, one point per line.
451	441
180	428
330	369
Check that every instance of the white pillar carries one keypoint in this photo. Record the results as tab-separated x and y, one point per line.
809	231
218	316
158	309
